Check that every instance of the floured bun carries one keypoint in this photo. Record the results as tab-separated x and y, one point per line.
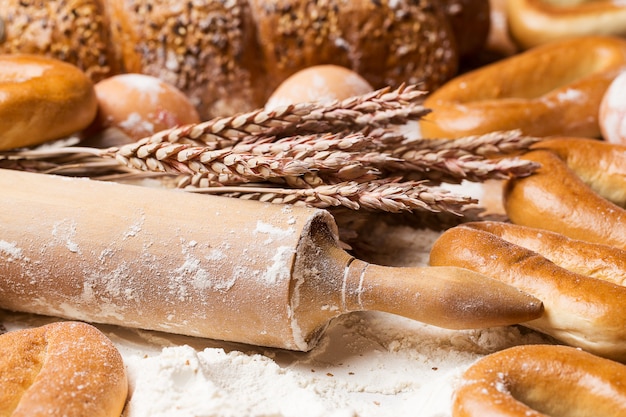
64	369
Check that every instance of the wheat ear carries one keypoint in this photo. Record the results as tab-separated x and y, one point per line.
388	195
380	108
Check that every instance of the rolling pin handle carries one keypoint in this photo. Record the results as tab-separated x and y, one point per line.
447	297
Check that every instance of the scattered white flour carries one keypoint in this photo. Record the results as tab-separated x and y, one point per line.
64	233
11	250
366	365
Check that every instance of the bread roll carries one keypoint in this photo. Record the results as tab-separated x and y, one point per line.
74	31
141	105
42	99
59	370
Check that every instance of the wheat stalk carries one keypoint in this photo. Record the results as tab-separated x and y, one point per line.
377	109
498	144
326	159
388	195
347	153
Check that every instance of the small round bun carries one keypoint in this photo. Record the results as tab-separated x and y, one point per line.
613	111
42	99
61	369
324	83
140	105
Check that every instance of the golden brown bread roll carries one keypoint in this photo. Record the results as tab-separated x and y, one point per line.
541	381
581	310
59	370
42	99
229	56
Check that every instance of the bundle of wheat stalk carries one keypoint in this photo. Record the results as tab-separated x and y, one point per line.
350	154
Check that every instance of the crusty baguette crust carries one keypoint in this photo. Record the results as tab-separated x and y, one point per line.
541	380
63	369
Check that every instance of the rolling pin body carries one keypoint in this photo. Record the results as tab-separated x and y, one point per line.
211	266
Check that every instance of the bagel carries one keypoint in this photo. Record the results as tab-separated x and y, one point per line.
600	165
42	99
536	22
554	89
63	369
541	380
557	198
581	310
586	258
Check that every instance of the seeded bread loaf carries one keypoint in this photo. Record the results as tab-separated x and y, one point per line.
229	56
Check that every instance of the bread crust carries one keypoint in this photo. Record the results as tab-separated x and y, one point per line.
599	164
554	89
61	369
541	380
536	22
228	57
73	31
555	198
42	99
580	310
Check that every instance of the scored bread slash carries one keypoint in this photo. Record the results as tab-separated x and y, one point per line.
213	267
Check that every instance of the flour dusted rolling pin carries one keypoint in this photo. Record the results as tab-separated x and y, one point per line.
212	267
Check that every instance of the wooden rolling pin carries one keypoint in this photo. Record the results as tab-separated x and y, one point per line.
212	267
